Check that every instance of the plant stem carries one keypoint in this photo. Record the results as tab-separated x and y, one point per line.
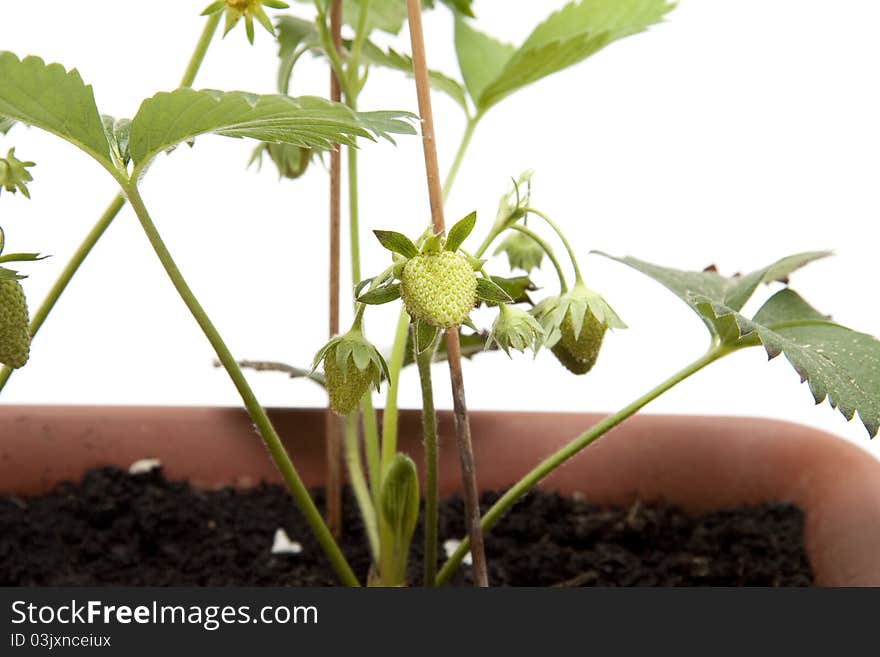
548	250
360	35
371	442
100	227
429	436
258	415
359	483
552	462
354	212
574	262
459	155
330	50
198	55
453	345
395	364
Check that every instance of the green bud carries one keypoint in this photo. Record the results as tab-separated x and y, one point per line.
515	329
14	174
290	160
522	251
400	508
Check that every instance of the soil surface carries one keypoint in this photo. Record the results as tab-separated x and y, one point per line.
138	530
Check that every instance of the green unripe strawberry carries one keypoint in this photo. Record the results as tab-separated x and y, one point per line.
439	289
346	384
585	346
15	338
571	363
351	366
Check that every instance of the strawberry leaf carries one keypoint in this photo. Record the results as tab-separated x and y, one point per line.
394	60
838	364
493	71
169	118
696	288
51	98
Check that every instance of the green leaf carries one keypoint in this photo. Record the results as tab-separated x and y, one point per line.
48	97
565	38
379	295
491	292
21	257
118	133
787	306
384	123
839	364
394	60
385	15
396	243
480	57
294	36
167	119
425	336
459	232
516	287
710	286
5	125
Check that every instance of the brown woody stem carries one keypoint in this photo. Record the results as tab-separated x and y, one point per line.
453	345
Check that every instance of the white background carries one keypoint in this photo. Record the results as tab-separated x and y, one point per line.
734	133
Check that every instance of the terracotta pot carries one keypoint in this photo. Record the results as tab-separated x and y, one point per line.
699	463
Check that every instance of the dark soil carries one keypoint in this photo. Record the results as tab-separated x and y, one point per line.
115	528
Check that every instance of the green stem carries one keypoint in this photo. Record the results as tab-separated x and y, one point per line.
100	227
574	262
459	155
548	250
198	55
354	217
395	365
580	442
258	415
68	272
371	442
429	435
330	51
357	45
359	483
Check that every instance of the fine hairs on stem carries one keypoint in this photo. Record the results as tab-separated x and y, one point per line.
453	346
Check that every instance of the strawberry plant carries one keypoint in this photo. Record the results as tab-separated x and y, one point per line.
438	277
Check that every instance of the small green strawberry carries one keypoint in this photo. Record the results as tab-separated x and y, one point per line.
575	323
583	346
351	366
15	338
571	363
439	288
